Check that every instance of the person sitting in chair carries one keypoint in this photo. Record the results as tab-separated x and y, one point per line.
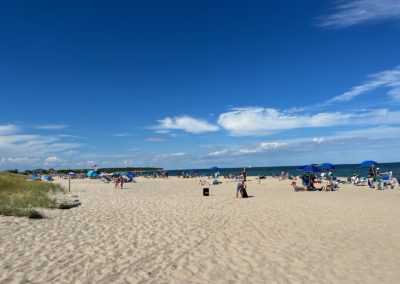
328	186
298	187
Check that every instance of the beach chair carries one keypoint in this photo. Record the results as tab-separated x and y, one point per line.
388	182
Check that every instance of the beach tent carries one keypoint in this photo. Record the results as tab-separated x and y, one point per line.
368	164
92	173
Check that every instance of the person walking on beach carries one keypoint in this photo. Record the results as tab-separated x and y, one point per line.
117	181
121	181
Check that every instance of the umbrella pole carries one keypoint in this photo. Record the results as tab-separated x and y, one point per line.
69	184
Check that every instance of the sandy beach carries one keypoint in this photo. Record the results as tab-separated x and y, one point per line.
165	231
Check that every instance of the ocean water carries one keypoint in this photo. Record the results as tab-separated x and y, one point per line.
340	171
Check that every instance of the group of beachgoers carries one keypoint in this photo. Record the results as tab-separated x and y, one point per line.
379	180
310	182
159	174
328	182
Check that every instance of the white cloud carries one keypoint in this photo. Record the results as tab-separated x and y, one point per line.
388	78
33	145
120	134
163	131
51	126
11	161
218	153
262	147
251	149
8	129
70	153
186	123
53	160
71	136
318	140
340	137
257	121
26	150
155	139
355	12
179	154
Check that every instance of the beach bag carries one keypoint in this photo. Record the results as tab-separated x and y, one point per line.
244	193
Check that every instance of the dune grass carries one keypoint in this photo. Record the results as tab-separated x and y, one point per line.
19	196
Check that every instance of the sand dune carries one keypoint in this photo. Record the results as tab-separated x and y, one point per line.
165	231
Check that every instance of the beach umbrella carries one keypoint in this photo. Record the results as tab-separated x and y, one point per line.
327	166
34	177
368	164
92	173
309	169
71	174
48	178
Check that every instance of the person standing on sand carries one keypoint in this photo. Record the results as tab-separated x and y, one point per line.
117	180
121	181
239	189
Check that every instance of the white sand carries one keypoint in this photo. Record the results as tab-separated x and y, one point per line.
165	231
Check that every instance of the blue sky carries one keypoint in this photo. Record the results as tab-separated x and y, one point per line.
195	84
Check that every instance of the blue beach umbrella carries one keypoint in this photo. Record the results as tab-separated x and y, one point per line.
48	178
34	177
368	164
128	174
327	166
92	173
309	169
